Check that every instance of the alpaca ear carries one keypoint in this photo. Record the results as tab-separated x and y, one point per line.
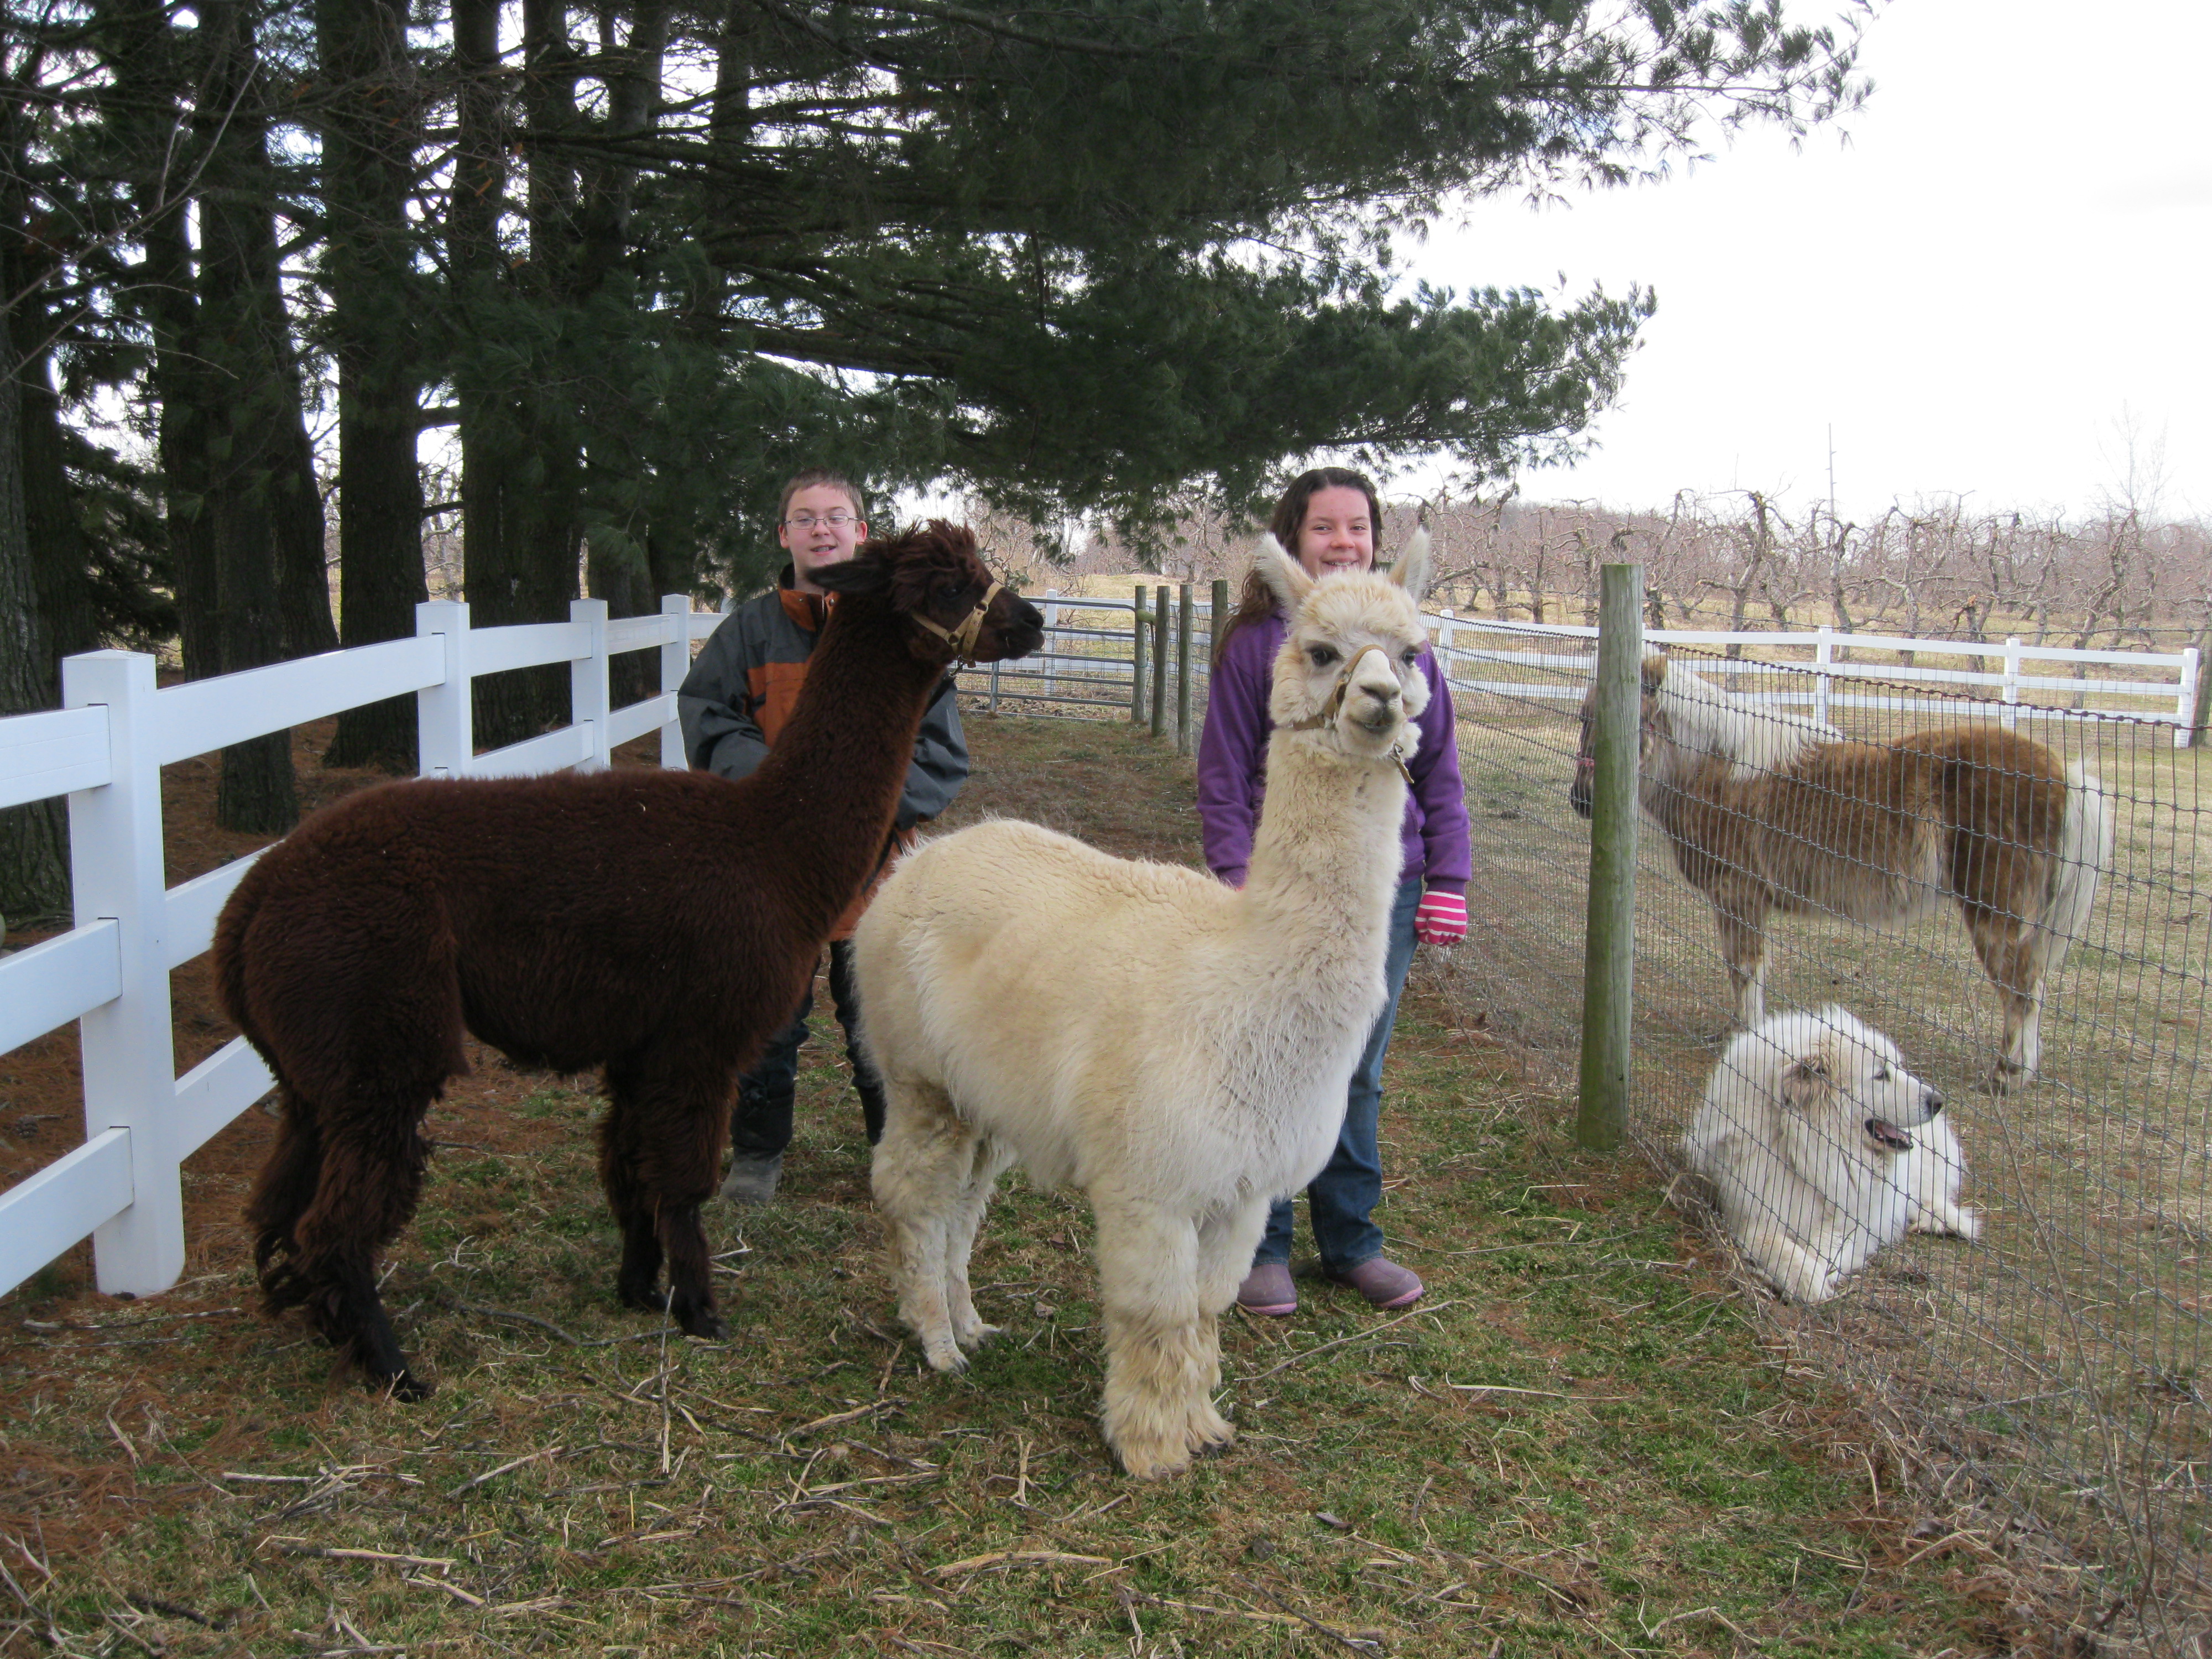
1412	570
1655	674
1285	576
1806	1083
861	574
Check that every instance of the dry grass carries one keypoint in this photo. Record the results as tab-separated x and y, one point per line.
1580	1442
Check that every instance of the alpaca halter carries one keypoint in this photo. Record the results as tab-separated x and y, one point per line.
1334	706
962	638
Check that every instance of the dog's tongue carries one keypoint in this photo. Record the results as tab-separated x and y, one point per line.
1889	1135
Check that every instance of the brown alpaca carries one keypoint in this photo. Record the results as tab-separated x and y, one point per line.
1777	814
663	925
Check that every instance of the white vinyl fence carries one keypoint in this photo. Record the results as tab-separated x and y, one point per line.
2161	686
105	749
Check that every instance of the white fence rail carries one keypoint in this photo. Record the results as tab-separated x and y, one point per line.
2165	690
105	749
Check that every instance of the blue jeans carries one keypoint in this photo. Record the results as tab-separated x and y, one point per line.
1340	1202
760	1121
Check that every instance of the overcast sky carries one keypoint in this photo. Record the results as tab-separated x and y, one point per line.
2005	269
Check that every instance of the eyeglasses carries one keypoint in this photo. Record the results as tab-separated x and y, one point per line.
836	521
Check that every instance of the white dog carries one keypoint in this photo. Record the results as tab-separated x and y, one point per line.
1824	1149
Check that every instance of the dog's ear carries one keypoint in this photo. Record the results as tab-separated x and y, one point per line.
1805	1082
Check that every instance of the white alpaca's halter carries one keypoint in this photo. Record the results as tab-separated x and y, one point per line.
962	638
1334	706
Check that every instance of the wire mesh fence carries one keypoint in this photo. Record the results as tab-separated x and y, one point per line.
2052	1366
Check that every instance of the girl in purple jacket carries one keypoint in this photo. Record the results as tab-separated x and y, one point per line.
1326	521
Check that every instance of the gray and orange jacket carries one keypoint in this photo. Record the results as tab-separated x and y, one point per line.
738	695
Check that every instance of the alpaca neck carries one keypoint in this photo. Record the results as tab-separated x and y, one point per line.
1326	855
840	761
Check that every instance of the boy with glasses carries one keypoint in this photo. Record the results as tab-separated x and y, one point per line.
733	705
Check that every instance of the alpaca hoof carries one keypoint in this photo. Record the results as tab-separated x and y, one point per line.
1154	1463
647	1297
2007	1078
974	1336
402	1386
944	1356
704	1322
1211	1439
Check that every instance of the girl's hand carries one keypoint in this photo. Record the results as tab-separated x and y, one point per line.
1441	919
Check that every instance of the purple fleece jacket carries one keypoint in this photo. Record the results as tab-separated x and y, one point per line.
1232	769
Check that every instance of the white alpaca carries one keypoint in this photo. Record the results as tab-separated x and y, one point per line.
1178	1049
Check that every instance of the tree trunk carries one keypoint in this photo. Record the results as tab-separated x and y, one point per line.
508	490
369	138
33	839
244	333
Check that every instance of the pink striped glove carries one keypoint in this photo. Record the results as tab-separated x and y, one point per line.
1441	918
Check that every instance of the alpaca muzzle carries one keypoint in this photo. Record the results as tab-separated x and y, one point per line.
962	638
1334	706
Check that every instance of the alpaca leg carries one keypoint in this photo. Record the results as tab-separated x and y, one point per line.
371	1180
918	1173
992	1157
659	1152
284	1188
637	1281
1225	1245
1155	1362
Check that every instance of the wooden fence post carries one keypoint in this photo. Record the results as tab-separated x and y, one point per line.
1160	660
118	873
1609	945
1184	621
1137	659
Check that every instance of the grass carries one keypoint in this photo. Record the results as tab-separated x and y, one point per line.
2057	1363
1584	1442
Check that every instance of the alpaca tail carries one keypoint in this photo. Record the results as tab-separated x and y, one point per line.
2084	852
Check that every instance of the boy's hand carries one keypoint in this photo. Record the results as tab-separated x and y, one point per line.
1441	919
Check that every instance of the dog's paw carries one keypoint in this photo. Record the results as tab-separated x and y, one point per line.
1947	1221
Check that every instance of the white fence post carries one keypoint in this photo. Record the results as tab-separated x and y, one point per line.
590	698
675	664
130	1055
1446	631
444	715
2011	692
2185	699
1824	655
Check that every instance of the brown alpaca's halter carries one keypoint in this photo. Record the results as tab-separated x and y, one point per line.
962	638
1334	706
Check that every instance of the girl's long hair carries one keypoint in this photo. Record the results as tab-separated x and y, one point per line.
1255	600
